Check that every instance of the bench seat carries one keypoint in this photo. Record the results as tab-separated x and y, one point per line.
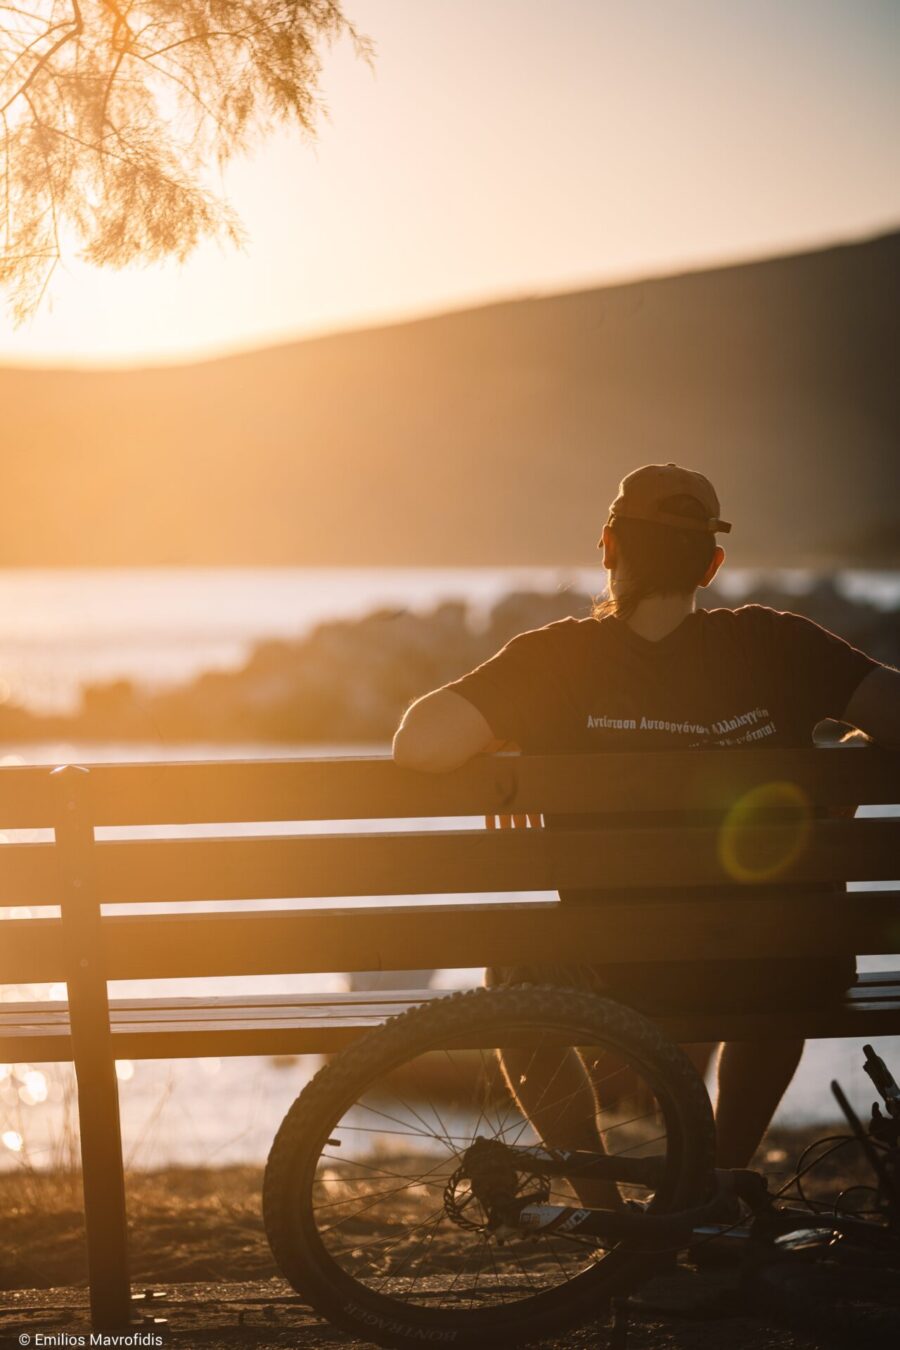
296	1024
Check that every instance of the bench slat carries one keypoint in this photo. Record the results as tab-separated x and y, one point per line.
157	946
335	789
870	984
16	1012
469	861
323	1023
355	789
327	1010
450	861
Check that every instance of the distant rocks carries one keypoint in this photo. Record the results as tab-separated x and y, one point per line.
350	680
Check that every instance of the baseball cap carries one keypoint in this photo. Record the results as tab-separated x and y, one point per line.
643	492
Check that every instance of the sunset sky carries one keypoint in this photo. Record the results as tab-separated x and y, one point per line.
507	147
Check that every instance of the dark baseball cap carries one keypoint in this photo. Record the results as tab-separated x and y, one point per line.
644	493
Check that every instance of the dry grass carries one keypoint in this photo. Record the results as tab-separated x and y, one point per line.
205	1224
184	1224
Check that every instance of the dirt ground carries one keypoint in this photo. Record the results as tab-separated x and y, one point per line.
685	1311
199	1254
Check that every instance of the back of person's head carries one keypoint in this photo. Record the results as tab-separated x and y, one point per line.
655	553
658	559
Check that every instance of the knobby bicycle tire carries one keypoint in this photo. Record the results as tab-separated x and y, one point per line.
583	1019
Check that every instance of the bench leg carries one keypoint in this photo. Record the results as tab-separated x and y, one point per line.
103	1173
104	1194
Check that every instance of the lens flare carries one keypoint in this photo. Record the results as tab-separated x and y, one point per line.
751	856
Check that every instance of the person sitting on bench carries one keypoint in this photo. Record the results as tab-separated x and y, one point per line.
648	670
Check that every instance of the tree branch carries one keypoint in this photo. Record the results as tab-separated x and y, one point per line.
118	152
23	51
76	30
121	22
51	190
5	182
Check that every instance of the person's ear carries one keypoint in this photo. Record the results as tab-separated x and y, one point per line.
610	548
717	560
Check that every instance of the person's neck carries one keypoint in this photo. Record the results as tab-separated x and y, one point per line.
659	615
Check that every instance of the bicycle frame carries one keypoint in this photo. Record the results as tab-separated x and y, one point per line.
528	1217
531	1215
491	1171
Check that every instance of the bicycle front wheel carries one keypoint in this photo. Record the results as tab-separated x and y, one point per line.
365	1200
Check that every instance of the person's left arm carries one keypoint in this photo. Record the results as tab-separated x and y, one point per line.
828	678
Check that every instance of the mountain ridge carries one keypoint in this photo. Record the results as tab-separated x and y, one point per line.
484	436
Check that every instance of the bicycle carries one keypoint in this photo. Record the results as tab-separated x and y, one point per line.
408	1199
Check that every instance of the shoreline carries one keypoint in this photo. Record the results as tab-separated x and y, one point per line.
347	681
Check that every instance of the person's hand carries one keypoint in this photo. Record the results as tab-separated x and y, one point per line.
517	822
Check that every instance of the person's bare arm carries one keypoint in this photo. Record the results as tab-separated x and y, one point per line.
441	731
875	707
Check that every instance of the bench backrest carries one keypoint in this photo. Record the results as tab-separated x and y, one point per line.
745	877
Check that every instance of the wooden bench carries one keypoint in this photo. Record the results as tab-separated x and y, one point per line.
665	879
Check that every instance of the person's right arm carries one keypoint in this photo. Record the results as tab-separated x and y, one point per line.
440	732
492	708
874	707
485	710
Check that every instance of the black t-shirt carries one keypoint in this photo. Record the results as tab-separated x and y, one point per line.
751	677
724	677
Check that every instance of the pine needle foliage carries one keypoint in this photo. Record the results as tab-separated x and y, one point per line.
112	114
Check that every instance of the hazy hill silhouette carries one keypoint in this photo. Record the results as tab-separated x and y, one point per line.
493	435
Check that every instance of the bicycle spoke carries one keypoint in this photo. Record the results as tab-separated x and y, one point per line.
425	1133
431	1154
426	1247
367	1167
377	1242
434	1226
373	1201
